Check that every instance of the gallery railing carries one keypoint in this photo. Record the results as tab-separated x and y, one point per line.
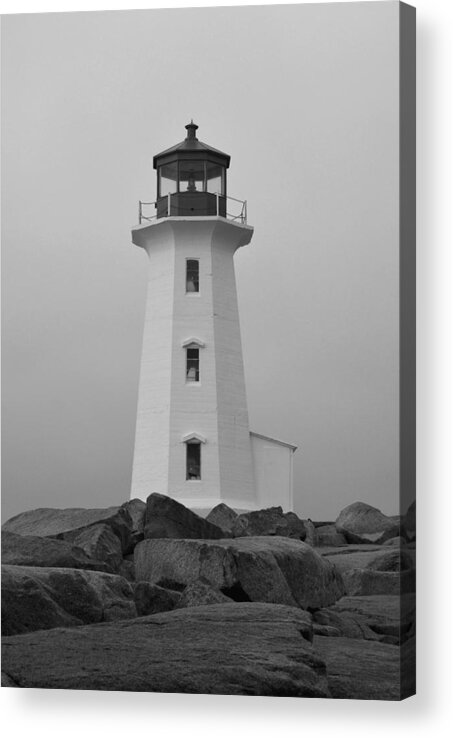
193	204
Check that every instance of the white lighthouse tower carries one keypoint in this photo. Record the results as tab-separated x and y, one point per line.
193	439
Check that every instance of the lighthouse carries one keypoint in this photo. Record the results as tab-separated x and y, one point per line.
192	438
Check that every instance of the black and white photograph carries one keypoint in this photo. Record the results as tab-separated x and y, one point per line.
208	351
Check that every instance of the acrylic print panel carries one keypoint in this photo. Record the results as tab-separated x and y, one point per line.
209	396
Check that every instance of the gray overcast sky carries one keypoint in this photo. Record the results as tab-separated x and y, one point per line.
305	99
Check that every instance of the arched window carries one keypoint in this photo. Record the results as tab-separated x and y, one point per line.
192	347
193	442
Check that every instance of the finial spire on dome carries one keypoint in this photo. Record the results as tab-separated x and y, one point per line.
191	128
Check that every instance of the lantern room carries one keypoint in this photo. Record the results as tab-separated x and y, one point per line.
191	178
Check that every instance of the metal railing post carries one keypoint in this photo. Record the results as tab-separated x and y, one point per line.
217	203
245	213
140	212
168	205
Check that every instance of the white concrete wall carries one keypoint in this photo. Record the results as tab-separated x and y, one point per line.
168	407
273	463
235	454
152	438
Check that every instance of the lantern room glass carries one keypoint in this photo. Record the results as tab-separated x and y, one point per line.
191	176
215	178
188	176
168	177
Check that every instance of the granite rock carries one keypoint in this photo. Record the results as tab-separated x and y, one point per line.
234	649
362	523
37	598
260	569
151	599
69	523
359	669
48	552
223	517
99	542
271	521
166	518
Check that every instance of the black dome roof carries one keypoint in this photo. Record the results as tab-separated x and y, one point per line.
191	145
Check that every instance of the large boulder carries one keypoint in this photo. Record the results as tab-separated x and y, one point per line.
380	612
328	535
151	599
68	523
352	557
362	523
201	593
223	517
37	598
310	533
166	518
396	560
362	582
99	542
345	624
246	649
137	511
127	570
261	569
360	669
271	521
48	552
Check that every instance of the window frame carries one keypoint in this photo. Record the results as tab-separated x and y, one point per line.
198	444
193	347
186	282
159	178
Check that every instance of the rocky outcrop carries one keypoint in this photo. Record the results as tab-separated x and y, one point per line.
201	593
344	624
360	669
362	523
166	518
7	681
247	649
261	569
127	570
397	541
396	560
328	535
36	551
352	557
386	615
360	582
69	523
269	522
151	599
37	598
99	542
223	517
310	533
137	510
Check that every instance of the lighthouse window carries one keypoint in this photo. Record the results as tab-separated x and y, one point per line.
215	178
168	176
192	275
193	460
192	365
191	176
